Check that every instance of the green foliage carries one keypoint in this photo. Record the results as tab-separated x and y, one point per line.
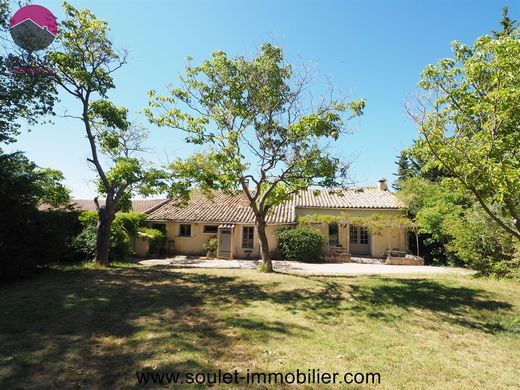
84	52
262	267
84	244
461	231
132	221
469	116
249	112
432	206
107	114
481	244
85	60
300	243
155	237
508	24
310	219
375	223
23	182
29	238
211	247
123	227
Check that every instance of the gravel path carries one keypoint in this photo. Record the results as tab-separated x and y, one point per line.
307	268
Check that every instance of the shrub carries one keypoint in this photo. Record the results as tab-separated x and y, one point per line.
261	267
155	237
123	226
211	246
300	243
120	239
84	244
43	238
30	238
132	221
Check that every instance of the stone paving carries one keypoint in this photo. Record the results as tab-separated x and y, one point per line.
354	268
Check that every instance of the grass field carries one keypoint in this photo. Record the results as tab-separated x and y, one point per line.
88	327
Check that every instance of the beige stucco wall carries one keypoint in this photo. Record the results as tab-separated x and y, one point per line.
394	238
189	245
194	245
238	251
141	247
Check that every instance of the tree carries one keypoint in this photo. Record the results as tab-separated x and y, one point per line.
259	129
469	117
85	61
407	167
455	228
508	24
23	187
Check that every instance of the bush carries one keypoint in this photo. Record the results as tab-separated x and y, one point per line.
132	222
155	237
43	238
30	238
482	244
211	247
300	243
123	226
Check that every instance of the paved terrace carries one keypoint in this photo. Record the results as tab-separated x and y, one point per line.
355	268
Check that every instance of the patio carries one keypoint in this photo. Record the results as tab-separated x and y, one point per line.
359	266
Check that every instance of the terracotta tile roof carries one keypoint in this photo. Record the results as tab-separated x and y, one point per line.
221	208
357	198
140	205
226	208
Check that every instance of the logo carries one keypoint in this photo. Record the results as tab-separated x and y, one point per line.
33	27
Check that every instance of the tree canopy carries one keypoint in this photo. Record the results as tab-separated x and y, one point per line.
262	135
85	60
469	116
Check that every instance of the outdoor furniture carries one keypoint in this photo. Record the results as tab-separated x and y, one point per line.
395	252
248	253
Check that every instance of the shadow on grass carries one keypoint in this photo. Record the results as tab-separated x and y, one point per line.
96	327
387	299
469	307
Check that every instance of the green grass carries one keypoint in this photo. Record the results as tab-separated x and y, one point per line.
88	327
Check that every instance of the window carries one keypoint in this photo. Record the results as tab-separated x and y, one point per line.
185	230
248	237
159	226
333	234
353	234
363	235
210	229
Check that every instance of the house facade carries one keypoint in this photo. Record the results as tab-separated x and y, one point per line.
230	220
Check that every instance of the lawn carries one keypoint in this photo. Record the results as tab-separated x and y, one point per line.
88	327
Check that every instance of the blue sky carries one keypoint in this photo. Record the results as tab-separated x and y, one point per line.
370	49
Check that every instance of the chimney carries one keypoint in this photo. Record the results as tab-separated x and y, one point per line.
381	184
244	201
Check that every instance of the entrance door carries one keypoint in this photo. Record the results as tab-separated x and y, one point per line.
224	243
359	240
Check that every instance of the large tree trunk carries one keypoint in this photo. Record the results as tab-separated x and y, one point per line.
265	255
103	232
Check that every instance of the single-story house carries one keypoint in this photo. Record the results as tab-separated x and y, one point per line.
230	219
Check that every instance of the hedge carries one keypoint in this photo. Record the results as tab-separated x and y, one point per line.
300	243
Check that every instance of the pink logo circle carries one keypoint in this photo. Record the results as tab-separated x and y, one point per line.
33	27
